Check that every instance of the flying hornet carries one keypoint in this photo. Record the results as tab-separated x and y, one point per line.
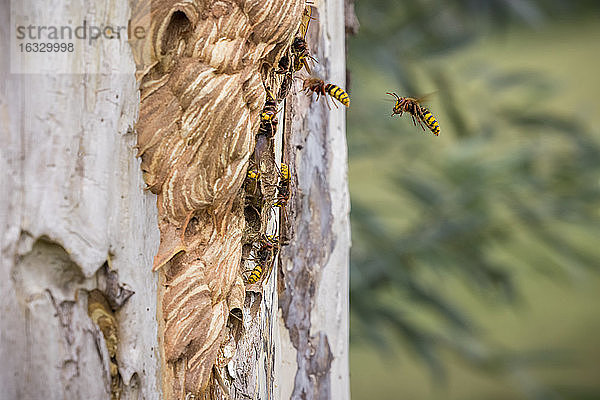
418	113
318	86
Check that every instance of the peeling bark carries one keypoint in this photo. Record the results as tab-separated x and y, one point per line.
314	275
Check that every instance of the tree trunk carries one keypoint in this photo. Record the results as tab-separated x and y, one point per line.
314	301
74	218
83	313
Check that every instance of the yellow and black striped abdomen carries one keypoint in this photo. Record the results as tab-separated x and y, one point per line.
285	172
255	274
338	93
430	121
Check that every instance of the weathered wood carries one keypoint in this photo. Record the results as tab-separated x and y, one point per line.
314	301
74	205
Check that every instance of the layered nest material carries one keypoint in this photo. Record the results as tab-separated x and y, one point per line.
202	66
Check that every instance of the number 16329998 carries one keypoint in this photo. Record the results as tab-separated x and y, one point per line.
46	47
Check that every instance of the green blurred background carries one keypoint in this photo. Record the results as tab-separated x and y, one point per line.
474	267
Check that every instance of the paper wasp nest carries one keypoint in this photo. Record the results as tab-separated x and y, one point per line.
201	69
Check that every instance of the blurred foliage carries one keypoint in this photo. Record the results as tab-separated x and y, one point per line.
512	185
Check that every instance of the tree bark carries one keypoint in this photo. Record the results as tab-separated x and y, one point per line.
81	307
314	301
74	218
